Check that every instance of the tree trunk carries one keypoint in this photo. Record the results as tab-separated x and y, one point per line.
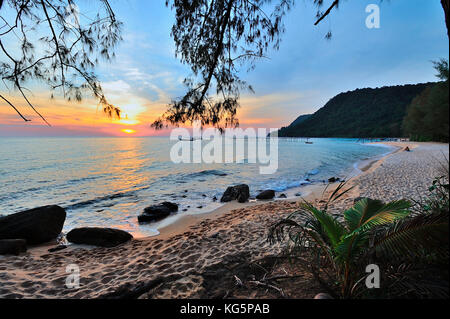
446	6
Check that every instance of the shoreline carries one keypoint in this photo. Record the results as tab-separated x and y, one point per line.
196	259
310	192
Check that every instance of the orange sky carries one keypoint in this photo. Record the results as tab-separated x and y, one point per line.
86	119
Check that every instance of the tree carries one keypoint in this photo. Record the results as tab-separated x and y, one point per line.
427	116
57	46
216	38
404	245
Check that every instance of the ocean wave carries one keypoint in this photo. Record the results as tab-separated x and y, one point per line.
97	200
211	172
282	186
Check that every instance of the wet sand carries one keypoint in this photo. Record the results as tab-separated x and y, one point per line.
192	257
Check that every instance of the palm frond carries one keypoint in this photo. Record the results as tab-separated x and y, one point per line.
333	230
411	237
385	214
337	193
361	212
349	247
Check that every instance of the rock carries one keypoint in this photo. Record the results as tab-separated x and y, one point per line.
36	226
282	196
215	199
57	248
13	246
298	195
157	212
332	180
323	296
172	206
103	237
200	207
241	193
268	194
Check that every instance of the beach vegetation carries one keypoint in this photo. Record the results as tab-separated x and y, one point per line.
59	47
427	117
368	113
410	247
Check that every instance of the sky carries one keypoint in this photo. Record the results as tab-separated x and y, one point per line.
299	78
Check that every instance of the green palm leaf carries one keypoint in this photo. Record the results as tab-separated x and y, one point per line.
412	236
360	212
349	247
372	215
332	228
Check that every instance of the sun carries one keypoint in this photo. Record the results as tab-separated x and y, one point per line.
128	131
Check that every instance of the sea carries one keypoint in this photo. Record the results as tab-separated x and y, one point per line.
108	182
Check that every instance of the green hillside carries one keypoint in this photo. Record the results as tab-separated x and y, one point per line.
367	112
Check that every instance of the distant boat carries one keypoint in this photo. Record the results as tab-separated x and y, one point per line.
185	139
308	141
188	139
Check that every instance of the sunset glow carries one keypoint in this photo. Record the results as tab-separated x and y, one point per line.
146	76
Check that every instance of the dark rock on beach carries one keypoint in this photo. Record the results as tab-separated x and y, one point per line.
13	246
268	194
172	206
282	196
103	237
241	193
36	226
333	180
157	212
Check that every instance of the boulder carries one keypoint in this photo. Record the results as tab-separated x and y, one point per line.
268	194
103	237
332	180
157	212
282	196
12	246
172	206
241	193
36	226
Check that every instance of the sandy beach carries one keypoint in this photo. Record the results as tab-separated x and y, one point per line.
217	255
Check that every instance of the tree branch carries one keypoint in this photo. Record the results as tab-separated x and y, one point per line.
10	104
334	4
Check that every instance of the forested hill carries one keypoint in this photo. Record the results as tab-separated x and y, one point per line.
361	113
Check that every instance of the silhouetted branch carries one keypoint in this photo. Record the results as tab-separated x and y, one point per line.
334	4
